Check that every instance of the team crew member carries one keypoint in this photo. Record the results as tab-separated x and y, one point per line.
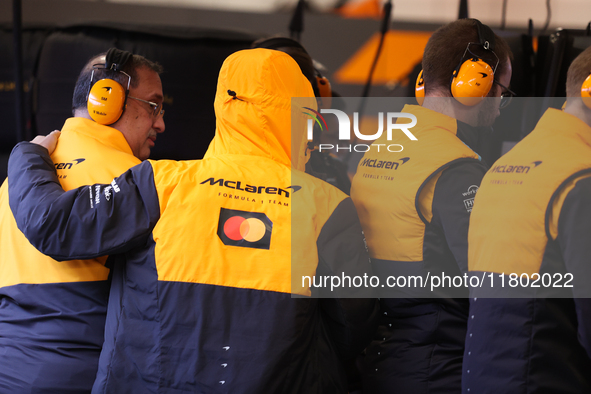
321	164
203	303
532	219
415	207
52	314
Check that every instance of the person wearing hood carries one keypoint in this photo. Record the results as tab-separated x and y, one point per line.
208	292
320	164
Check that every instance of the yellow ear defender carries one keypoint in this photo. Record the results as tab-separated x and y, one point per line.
420	89
473	78
586	91
105	101
472	81
107	97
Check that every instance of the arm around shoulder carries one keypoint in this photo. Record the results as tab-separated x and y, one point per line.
82	223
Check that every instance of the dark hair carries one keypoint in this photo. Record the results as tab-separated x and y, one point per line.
297	52
577	72
134	63
446	46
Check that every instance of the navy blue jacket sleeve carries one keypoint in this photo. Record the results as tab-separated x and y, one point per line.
82	223
350	313
574	237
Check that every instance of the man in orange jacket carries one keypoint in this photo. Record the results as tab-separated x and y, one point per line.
52	314
212	292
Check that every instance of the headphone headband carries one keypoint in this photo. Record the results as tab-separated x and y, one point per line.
279	42
473	78
486	37
320	84
116	59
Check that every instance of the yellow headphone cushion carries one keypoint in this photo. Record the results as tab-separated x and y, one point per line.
586	91
472	82
420	88
325	91
106	101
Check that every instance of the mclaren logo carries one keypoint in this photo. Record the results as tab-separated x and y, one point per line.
484	75
67	166
108	89
388	165
294	188
238	185
515	169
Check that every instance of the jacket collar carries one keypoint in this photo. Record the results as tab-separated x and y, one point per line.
472	136
104	134
556	121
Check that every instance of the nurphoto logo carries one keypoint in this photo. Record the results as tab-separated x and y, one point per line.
344	129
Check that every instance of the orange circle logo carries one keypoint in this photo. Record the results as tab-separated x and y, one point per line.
239	228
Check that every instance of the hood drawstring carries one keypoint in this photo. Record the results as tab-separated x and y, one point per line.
233	94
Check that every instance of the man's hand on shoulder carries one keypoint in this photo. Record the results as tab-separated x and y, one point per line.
49	141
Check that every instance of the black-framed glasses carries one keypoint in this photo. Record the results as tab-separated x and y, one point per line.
506	95
157	108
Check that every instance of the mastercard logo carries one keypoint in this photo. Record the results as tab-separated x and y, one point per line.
245	229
